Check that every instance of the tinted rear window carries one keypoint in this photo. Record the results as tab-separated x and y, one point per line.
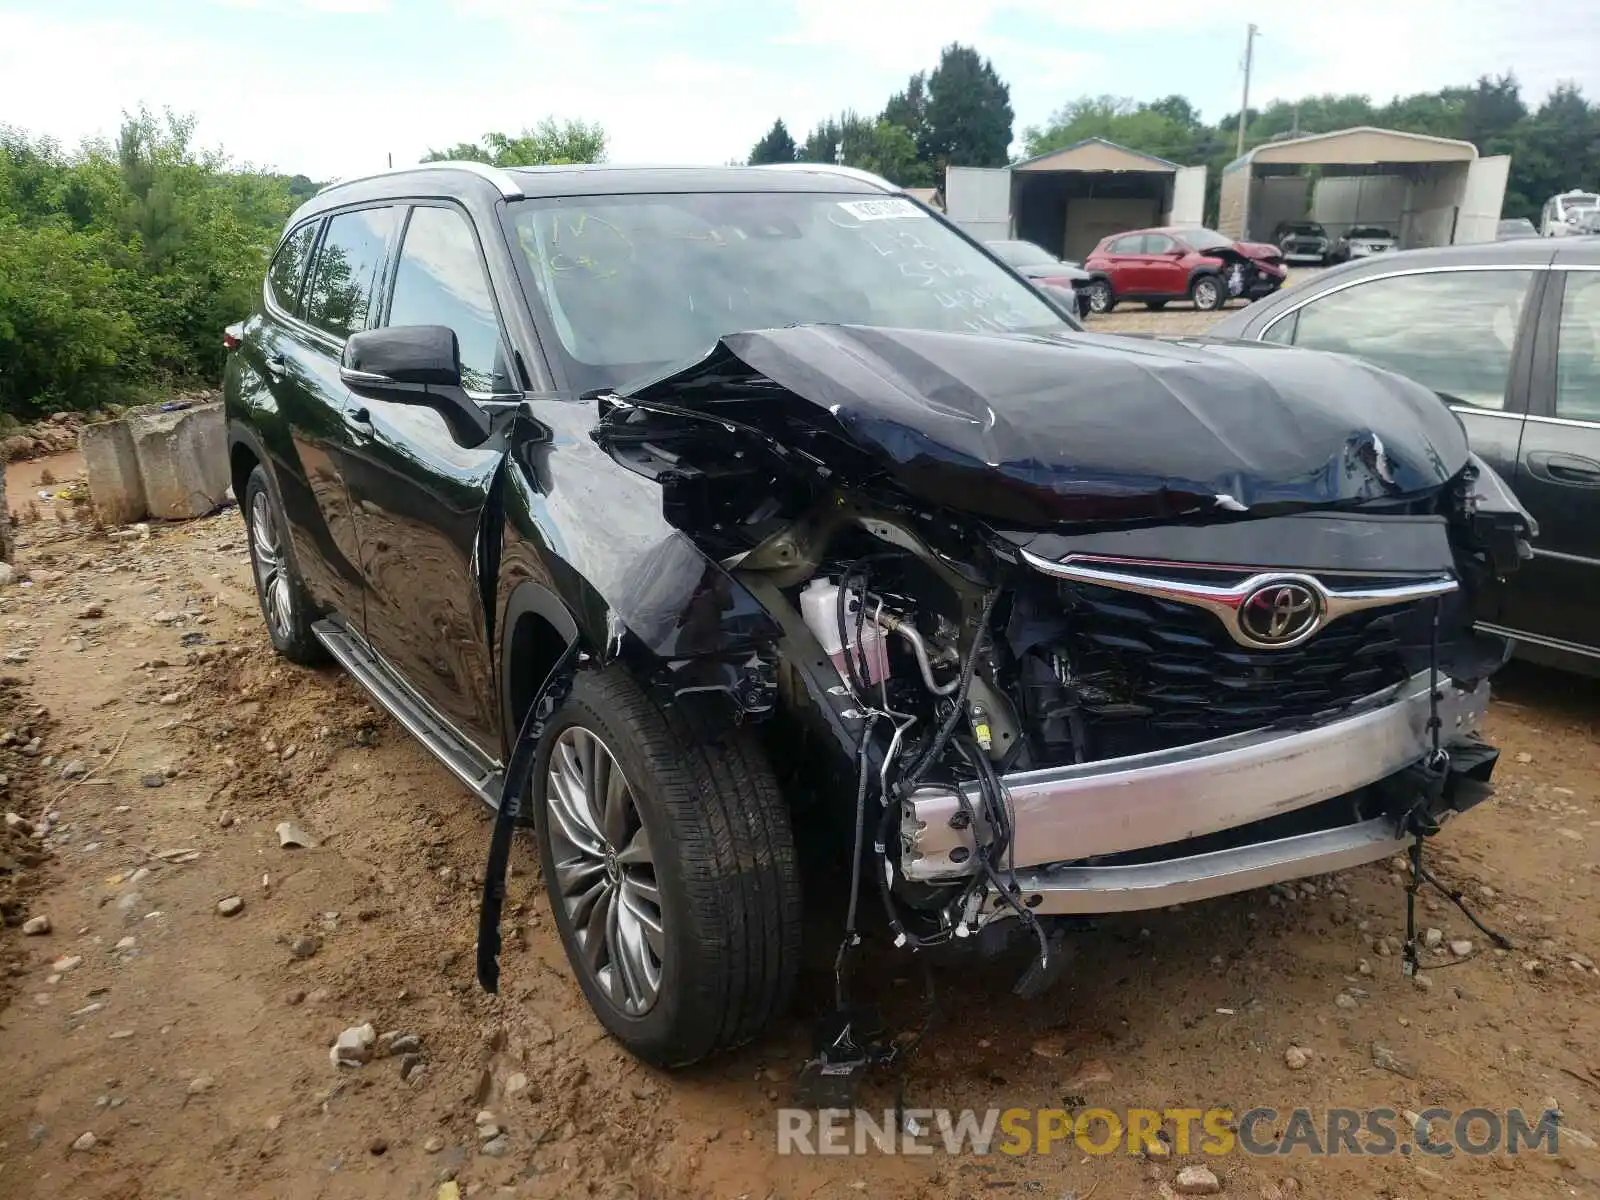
349	265
288	265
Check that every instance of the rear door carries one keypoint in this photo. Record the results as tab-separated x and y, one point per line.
1557	595
300	361
420	495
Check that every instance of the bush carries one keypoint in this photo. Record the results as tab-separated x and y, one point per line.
64	331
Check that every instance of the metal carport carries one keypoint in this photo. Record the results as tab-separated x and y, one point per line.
1068	199
1428	191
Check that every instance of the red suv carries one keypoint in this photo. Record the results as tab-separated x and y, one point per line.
1180	263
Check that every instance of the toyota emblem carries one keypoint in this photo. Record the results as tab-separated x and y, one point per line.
1280	614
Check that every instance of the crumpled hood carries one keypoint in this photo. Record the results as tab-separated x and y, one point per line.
1042	430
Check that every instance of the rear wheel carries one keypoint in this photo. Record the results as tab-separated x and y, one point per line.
1101	298
278	588
1208	293
671	870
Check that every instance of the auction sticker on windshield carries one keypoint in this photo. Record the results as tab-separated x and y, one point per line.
895	208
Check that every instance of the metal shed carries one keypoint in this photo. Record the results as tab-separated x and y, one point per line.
1068	199
1428	191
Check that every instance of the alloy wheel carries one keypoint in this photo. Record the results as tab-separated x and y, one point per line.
1205	294
605	870
272	572
1099	298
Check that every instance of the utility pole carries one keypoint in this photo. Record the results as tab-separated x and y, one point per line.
1244	105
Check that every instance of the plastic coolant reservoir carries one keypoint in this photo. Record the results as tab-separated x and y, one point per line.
819	606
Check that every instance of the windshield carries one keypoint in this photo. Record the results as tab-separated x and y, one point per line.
1368	231
1310	227
1204	239
636	283
1023	254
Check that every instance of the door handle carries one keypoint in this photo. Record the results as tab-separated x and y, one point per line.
1573	470
276	365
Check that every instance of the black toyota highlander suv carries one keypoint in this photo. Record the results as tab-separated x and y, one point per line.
676	509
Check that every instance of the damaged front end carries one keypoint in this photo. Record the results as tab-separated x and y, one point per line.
1090	624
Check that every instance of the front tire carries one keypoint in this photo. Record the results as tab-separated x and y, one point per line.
1101	298
282	596
1208	293
670	865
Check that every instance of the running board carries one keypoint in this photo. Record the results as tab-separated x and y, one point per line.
465	762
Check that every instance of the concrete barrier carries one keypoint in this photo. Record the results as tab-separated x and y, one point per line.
167	465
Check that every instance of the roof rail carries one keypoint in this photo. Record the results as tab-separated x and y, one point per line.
509	188
877	181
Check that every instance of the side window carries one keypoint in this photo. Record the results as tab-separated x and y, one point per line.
440	281
348	268
1158	243
1452	331
1125	245
1578	349
288	265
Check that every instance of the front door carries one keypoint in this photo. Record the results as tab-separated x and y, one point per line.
1161	272
1557	595
420	495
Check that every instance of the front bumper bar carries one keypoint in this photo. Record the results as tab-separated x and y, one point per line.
1067	814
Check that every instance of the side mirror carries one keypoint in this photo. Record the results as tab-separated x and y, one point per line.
415	364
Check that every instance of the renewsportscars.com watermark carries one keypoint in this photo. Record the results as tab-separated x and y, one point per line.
1218	1131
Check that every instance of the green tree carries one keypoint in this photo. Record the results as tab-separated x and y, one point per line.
968	113
775	146
545	144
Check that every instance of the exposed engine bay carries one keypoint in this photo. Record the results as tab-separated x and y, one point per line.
1017	559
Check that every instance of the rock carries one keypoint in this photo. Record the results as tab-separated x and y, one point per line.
1433	939
433	1145
1091	1072
66	963
1051	1046
1296	1058
75	769
1524	757
1461	947
169	700
449	1190
405	1043
1197	1181
496	1146
230	907
516	1085
411	1066
225	821
353	1047
91	612
1346	1000
8	573
1386	1059
127	943
1423	983
201	1084
85	1142
303	946
19	824
36	926
291	837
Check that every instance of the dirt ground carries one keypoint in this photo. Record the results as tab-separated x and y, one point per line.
194	1046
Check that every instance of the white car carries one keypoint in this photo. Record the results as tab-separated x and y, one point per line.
1363	241
1568	213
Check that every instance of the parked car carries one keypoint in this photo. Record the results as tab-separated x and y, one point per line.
1513	228
673	508
1038	264
1508	333
1363	241
1180	263
1563	215
1303	241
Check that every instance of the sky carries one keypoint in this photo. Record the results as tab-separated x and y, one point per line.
333	88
